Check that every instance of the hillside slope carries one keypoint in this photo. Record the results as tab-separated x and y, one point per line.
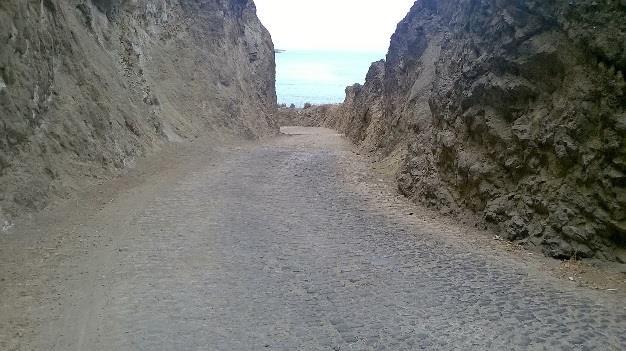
86	86
512	110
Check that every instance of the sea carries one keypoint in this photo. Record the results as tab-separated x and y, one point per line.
319	77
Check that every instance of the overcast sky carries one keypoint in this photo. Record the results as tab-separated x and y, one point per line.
351	25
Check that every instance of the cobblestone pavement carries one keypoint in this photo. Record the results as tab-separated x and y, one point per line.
269	249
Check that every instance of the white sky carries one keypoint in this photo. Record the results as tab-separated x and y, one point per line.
348	25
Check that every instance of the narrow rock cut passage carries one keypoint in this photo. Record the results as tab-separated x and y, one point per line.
270	247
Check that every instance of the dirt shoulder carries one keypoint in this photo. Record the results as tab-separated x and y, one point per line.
376	179
48	257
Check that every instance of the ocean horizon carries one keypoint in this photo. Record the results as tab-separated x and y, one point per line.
319	77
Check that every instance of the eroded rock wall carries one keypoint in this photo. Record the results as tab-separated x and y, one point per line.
513	110
312	116
86	86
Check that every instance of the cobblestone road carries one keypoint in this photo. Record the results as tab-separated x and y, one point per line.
268	249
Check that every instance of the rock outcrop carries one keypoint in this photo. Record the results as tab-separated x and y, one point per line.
512	110
86	86
306	117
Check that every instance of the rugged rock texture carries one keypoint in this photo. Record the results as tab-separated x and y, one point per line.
514	110
306	117
86	86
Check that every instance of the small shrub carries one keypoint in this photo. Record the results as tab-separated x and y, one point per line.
307	105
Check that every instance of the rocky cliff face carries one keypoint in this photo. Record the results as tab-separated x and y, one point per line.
513	110
86	86
306	117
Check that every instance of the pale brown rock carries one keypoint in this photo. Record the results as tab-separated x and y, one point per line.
87	86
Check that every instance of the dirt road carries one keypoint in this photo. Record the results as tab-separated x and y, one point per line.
281	245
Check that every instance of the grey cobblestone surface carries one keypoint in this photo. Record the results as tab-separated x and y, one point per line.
268	250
